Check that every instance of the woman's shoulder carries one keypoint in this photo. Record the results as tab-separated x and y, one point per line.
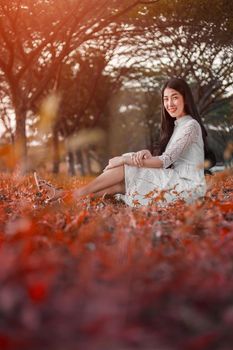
191	126
193	123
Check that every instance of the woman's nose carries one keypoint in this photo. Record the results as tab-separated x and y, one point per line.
170	103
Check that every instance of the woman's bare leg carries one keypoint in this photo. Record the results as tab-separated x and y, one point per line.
119	188
107	179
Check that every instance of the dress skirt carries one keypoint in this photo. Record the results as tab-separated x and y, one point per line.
144	186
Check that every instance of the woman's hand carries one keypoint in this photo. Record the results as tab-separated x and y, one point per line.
115	162
137	158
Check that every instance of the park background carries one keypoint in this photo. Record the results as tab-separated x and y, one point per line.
80	81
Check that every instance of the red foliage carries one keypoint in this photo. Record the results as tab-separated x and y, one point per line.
37	291
94	274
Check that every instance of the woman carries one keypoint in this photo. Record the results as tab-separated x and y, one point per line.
176	173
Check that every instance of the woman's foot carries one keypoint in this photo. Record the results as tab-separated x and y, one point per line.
51	192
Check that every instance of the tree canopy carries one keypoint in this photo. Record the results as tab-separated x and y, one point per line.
43	41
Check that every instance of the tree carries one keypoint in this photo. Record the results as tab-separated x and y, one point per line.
84	88
167	50
37	37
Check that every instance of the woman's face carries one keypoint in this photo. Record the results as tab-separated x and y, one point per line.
173	102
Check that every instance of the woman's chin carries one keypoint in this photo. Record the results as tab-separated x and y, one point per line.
176	115
172	115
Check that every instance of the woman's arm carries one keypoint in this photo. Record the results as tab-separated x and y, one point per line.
139	156
185	138
152	162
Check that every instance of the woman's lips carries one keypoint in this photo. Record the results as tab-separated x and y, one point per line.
172	110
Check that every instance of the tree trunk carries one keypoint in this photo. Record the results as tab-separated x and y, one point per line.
56	152
86	161
21	141
71	167
80	162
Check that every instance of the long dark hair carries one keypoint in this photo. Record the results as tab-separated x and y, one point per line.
167	122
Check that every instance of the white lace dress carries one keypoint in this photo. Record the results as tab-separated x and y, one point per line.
185	180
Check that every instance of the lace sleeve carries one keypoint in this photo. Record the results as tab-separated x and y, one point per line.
184	139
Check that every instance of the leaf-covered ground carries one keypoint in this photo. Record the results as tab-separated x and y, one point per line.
99	275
